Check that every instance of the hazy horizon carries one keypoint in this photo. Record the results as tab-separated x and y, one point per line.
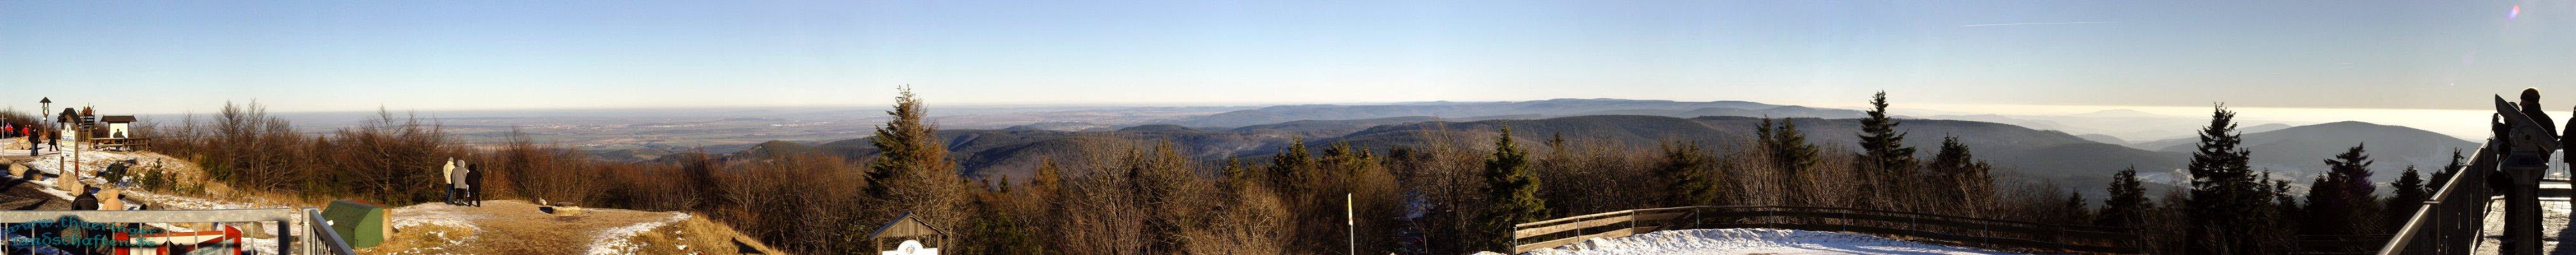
298	56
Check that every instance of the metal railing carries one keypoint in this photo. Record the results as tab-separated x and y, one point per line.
316	239
320	238
2450	222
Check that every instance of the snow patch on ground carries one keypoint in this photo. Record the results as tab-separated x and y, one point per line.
1752	241
613	241
92	161
436	214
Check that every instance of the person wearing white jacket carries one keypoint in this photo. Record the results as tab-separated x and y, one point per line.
448	175
457	180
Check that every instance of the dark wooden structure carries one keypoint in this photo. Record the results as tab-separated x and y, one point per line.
906	227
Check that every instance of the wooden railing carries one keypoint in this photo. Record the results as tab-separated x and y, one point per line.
2450	222
1966	231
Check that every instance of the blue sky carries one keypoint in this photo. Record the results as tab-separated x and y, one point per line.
461	55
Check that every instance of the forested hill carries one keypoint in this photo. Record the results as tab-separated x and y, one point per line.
1515	110
2299	149
2024	154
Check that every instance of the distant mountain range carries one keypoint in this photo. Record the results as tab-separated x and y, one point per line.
2303	149
1512	110
2026	154
2120	124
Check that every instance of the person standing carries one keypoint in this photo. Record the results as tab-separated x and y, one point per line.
474	185
456	180
447	181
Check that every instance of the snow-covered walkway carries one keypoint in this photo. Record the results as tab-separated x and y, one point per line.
1754	241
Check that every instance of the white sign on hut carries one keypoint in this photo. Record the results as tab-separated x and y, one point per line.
912	232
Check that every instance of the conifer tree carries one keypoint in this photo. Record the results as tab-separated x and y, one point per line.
1686	166
1289	166
2340	200
2410	194
2128	205
2228	205
1511	188
2074	208
912	172
1047	178
1886	163
2443	175
1962	180
1234	173
1790	155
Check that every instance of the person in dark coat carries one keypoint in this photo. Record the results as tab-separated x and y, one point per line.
2531	107
474	185
88	200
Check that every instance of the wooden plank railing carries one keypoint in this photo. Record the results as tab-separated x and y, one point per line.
1967	231
2450	222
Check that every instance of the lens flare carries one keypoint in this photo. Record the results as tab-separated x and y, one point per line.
2516	12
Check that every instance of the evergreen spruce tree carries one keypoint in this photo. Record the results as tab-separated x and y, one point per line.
2074	208
1687	167
2443	175
2228	205
2410	194
1960	181
912	173
2340	201
1291	165
1048	177
2128	204
1886	163
1511	188
1791	156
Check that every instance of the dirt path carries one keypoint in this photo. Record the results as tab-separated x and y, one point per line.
505	227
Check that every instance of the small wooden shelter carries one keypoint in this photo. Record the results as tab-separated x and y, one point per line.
361	224
907	228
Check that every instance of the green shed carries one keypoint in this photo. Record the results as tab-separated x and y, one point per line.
361	224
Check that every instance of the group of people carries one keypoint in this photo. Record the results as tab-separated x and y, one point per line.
464	183
35	139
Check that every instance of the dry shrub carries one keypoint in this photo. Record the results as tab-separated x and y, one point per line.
385	159
548	173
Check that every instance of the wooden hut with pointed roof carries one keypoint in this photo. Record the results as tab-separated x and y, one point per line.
905	227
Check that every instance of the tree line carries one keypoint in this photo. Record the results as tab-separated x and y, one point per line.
1457	192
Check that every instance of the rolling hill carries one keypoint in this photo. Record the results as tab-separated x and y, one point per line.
2302	149
1522	109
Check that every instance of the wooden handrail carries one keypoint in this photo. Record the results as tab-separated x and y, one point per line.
2118	240
2462	199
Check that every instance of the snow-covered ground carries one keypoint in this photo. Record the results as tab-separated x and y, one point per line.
1753	241
2553	224
613	241
91	161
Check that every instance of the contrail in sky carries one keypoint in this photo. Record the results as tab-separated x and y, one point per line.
2040	23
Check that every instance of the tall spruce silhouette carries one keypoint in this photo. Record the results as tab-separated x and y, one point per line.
2228	204
1886	164
1512	188
1790	157
1688	167
2128	205
2340	201
2409	195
